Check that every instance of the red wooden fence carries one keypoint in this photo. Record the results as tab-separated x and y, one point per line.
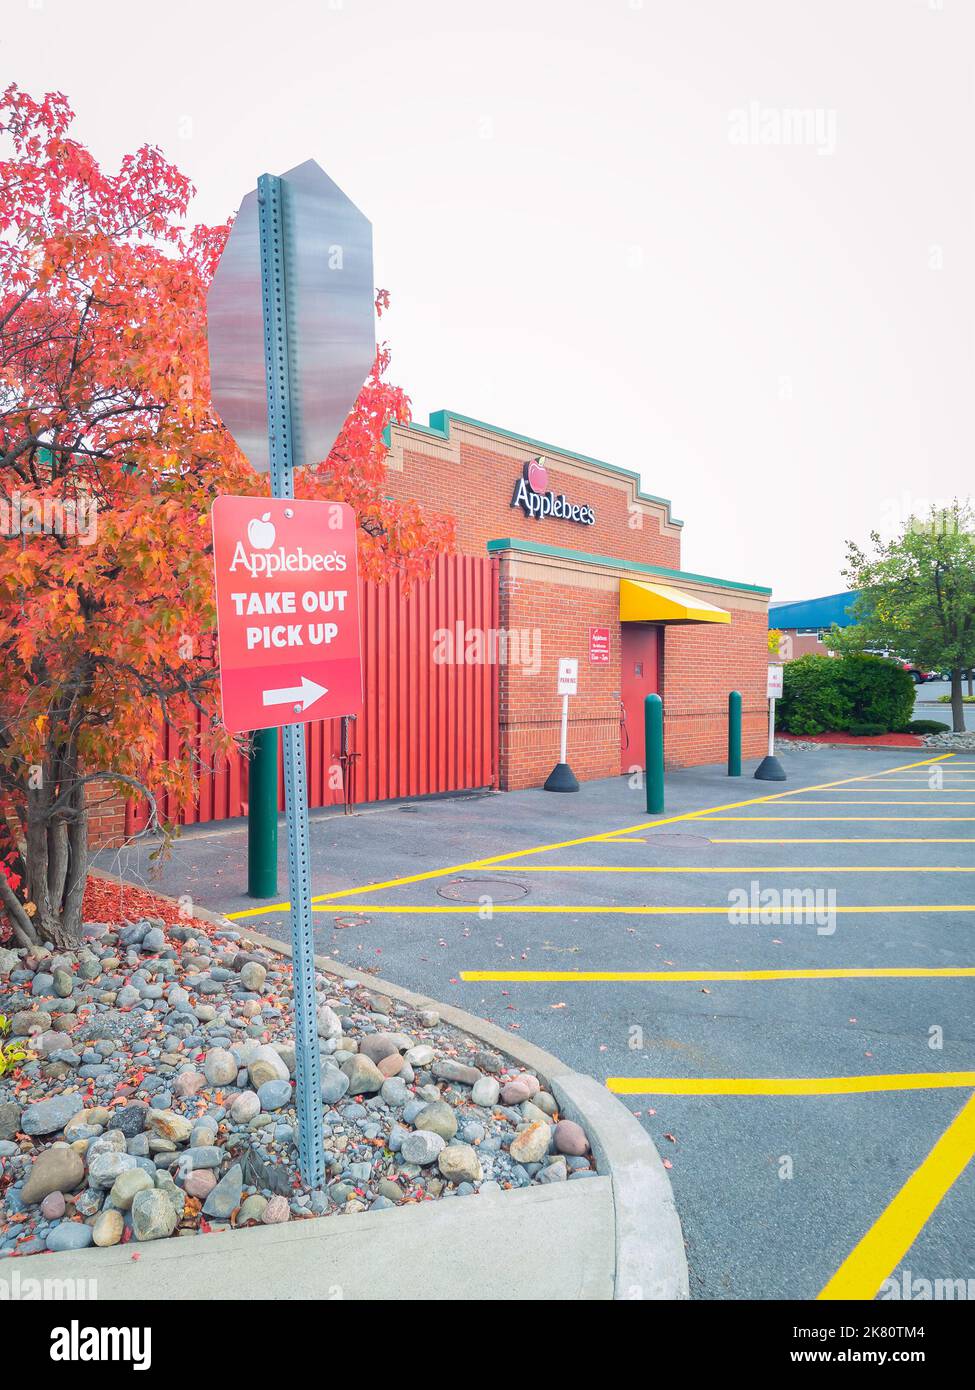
426	726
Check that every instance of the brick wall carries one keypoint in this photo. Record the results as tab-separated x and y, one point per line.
473	478
702	663
530	709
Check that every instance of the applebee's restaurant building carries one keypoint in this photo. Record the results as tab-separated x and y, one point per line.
588	566
559	555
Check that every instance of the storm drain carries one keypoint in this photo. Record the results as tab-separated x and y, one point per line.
472	890
677	841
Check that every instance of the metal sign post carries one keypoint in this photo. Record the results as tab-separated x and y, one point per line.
770	769
562	778
290	321
280	446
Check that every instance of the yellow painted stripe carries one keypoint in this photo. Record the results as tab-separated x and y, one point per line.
737	869
788	1085
571	977
888	1240
564	844
842	840
408	909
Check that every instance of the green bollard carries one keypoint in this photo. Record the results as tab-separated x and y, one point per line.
734	734
653	724
262	817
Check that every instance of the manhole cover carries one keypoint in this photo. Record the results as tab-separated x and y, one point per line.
677	841
472	890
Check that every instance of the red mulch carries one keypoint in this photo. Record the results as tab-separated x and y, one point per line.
858	740
110	902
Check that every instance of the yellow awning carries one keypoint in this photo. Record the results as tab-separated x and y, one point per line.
659	603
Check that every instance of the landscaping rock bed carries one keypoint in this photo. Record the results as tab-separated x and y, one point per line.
159	1098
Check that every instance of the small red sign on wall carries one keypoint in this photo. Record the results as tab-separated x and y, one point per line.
599	646
287	611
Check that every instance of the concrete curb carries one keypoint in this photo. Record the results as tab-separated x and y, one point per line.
650	1258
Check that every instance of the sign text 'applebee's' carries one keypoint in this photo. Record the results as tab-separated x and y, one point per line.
287	611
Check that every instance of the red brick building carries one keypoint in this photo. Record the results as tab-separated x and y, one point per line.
559	556
584	556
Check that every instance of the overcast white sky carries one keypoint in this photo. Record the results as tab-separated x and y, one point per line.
595	232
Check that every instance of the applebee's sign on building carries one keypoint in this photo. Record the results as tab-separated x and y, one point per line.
533	496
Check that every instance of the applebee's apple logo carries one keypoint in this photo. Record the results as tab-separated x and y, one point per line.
260	532
537	475
532	495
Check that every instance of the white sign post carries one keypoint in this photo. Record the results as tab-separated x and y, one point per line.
562	778
770	769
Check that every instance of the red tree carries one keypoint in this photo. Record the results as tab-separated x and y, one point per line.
110	457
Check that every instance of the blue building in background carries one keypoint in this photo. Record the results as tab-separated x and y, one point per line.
805	622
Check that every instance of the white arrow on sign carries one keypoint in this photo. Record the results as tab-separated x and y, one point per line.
304	694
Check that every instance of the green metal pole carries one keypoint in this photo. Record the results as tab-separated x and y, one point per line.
734	734
653	723
262	817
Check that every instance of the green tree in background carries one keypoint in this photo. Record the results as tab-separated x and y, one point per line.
917	597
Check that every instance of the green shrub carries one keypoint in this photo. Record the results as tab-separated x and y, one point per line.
811	701
868	730
925	726
823	693
881	692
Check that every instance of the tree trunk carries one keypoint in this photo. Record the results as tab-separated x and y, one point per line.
971	683
57	865
957	703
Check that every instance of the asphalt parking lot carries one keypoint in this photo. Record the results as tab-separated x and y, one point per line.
776	978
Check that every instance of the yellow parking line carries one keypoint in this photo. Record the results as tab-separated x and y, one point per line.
617	909
564	844
736	869
788	1085
842	840
888	1240
566	977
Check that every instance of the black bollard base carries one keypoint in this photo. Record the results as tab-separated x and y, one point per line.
770	770
561	779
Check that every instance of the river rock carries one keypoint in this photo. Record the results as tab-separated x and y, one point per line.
274	1095
168	1125
449	1070
69	1235
438	1118
267	1065
459	1163
9	1120
58	1169
252	976
128	1185
486	1091
423	1147
220	1067
365	1078
275	1212
244	1107
225	1197
530	1145
251	1209
108	1227
153	1215
570	1138
48	1116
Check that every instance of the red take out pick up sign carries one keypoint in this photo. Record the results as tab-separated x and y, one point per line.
287	611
